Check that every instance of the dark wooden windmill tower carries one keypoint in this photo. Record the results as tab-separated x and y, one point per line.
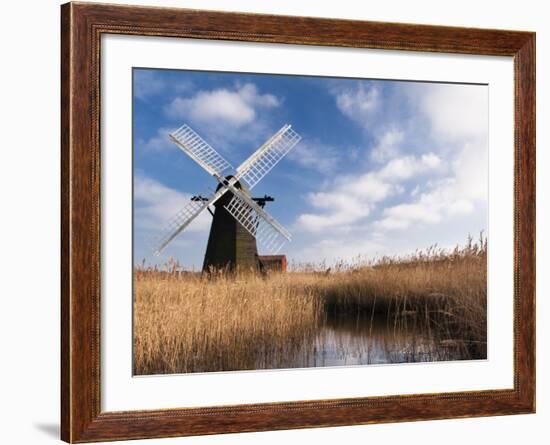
230	245
239	222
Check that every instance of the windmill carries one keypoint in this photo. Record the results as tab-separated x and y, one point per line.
239	221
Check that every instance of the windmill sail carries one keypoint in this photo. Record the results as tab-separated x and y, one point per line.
268	232
184	217
200	151
178	222
242	207
267	156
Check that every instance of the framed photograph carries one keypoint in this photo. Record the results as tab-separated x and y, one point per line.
274	222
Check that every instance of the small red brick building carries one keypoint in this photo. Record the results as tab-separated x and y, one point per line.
275	263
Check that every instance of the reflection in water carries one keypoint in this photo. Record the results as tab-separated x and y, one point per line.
345	342
362	342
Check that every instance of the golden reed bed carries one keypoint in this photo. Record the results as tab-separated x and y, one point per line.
185	322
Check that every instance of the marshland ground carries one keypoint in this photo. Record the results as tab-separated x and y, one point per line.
429	306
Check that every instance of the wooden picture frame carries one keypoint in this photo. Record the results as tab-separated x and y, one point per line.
82	25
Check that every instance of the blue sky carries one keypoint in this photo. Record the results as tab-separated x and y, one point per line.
383	168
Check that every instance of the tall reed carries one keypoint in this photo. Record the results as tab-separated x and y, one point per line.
185	322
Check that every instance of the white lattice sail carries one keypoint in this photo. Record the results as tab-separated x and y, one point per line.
182	219
200	151
269	234
267	156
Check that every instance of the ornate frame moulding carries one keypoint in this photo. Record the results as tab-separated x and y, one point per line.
82	25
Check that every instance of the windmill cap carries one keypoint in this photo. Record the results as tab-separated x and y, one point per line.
237	184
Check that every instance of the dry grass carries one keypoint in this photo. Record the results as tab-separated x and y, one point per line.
187	323
190	323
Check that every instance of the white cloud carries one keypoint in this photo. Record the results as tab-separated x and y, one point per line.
148	83
470	168
433	207
456	112
459	193
408	166
389	223
457	116
358	103
155	204
233	108
369	186
402	215
315	155
350	199
387	146
159	142
341	209
448	123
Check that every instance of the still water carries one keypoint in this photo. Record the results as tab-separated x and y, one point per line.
345	342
